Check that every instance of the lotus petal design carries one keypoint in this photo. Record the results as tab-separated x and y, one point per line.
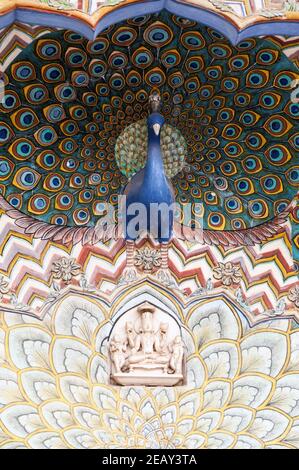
242	391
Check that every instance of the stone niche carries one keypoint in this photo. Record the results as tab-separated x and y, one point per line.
146	348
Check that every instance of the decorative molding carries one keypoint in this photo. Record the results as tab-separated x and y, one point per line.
91	22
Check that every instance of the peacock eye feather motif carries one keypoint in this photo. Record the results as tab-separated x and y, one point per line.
73	123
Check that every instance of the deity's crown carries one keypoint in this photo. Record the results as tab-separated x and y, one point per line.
146	307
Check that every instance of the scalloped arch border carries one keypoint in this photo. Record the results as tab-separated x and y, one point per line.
122	12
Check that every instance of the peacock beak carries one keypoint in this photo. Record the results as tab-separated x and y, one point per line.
156	128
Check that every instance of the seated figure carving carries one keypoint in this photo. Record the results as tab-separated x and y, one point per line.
145	356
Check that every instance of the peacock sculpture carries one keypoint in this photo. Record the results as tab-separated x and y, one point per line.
74	130
150	185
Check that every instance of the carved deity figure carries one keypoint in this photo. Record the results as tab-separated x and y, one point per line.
117	351
149	348
131	335
161	343
142	353
177	353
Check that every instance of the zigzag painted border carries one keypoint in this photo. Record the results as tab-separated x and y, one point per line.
267	270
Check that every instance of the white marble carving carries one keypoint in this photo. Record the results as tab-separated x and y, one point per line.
146	348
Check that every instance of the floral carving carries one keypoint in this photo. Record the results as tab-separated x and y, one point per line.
59	4
3	287
65	269
294	295
229	273
222	6
148	259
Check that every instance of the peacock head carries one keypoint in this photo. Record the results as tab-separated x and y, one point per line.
155	121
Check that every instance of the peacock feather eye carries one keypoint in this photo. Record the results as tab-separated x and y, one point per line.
244	186
257	78
77	181
158	34
255	141
68	145
252	164
73	38
97	47
249	118
59	219
139	20
47	159
277	125
15	200
48	49
80	78
278	154
267	57
75	57
117	81
78	112
26	178
216	221
234	205
239	62
46	136
284	80
246	45
64	201
258	209
124	36
193	41
39	204
118	60
226	115
9	102
23	71
53	73
242	99
155	77
292	109
230	84
271	184
228	168
214	72
54	113
6	133
232	131
220	51
294	141
81	216
53	182
6	168
194	64
293	176
65	93
211	198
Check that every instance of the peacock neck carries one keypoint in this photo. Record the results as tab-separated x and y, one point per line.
154	169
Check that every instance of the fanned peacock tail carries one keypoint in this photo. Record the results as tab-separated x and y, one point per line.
231	138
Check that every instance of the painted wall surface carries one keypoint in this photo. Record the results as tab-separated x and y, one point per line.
238	309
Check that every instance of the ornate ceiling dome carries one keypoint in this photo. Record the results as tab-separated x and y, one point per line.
68	100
